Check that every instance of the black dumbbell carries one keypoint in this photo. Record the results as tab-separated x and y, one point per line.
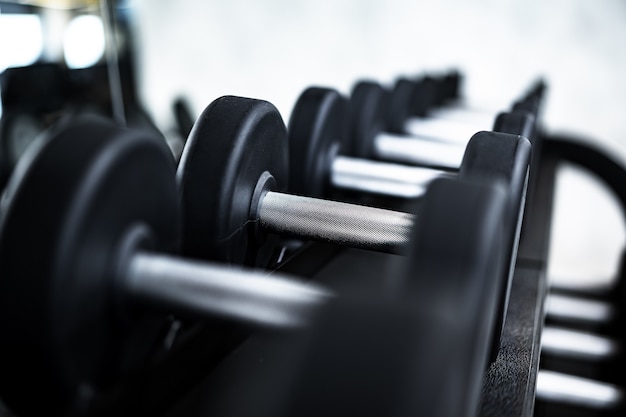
87	229
319	133
238	147
17	131
318	123
439	97
429	119
369	122
242	143
402	116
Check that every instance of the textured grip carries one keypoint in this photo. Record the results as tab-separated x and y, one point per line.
330	221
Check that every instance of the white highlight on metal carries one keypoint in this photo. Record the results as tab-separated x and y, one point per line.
479	118
578	309
577	344
382	177
336	222
419	151
563	388
216	290
443	130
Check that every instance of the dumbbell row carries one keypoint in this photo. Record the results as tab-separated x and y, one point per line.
404	118
371	137
319	137
144	275
143	259
142	264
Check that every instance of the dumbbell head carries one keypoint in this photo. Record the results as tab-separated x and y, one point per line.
367	118
317	135
376	113
318	129
399	108
420	350
233	143
517	122
68	263
63	235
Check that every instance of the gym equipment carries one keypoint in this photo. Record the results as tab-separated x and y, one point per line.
82	282
403	118
368	138
318	136
318	124
233	174
415	112
438	97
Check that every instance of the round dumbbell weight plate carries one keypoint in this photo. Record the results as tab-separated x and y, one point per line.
61	227
368	104
232	144
317	127
399	105
17	132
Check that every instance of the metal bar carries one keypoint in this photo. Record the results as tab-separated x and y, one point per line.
107	10
569	389
480	118
579	309
209	290
381	177
336	222
443	130
577	344
417	151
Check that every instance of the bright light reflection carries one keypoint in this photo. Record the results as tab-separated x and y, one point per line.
578	344
83	41
21	40
557	387
579	309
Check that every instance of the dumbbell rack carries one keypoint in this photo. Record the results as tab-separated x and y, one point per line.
192	374
510	382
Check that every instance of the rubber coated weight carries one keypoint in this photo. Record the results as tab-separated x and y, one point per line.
17	132
507	157
366	117
232	144
421	350
431	92
317	128
465	293
516	123
61	229
399	105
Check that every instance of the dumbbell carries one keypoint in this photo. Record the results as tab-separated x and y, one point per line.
401	115
368	137
316	124
318	135
440	98
87	232
247	156
238	148
411	111
437	98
